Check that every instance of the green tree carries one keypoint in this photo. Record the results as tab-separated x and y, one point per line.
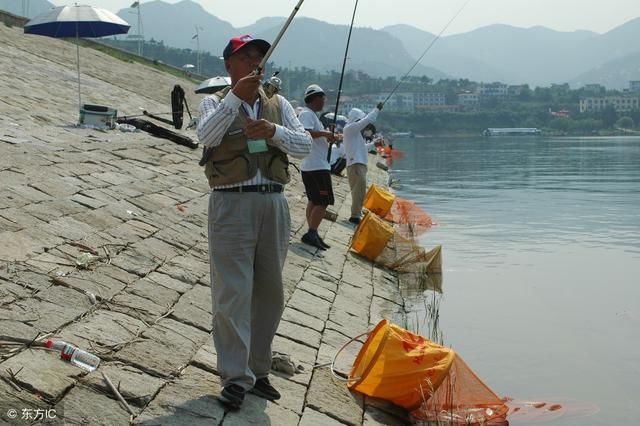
609	116
561	124
625	123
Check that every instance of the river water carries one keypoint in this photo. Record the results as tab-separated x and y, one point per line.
541	258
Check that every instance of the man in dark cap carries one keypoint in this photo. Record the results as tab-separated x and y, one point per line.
247	137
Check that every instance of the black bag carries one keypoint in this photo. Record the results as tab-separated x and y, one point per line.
339	166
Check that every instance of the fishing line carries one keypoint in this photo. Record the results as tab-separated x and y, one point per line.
344	64
427	49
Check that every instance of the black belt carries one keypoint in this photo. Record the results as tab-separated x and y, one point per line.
266	188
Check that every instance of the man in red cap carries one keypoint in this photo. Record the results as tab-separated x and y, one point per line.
247	137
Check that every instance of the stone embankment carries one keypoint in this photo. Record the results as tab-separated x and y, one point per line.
142	301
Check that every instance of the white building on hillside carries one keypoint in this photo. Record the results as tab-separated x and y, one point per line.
422	100
401	102
619	103
493	90
468	99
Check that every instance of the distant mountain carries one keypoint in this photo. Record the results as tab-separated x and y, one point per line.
457	64
307	42
537	55
414	39
33	7
261	25
614	74
617	43
319	45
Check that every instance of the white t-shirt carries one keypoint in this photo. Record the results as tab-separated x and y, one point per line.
317	158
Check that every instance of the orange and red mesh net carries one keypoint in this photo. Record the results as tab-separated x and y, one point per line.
461	398
407	212
411	218
428	379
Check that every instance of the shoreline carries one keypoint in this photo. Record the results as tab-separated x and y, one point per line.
543	135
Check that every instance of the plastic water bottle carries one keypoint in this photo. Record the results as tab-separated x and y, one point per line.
74	355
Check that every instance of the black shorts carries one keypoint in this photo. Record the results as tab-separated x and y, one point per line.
317	184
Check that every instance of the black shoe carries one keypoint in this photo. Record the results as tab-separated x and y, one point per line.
355	220
232	396
325	245
313	240
263	389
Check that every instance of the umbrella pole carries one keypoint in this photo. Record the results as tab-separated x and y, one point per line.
78	63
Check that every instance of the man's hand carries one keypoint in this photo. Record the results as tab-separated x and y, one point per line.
380	105
259	129
333	137
247	87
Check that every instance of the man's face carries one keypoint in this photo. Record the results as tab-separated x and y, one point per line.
243	62
317	104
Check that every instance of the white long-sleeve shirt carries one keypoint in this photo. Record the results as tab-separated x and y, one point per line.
217	115
356	149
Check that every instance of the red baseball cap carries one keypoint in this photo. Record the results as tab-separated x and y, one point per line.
237	43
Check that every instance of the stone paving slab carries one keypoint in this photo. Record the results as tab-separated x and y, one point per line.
168	347
302	318
83	405
139	203
15	399
188	400
137	387
312	417
103	330
159	295
102	286
206	358
334	400
299	333
43	372
195	308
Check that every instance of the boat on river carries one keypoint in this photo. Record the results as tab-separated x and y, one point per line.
512	131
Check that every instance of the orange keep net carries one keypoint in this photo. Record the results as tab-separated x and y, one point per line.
395	209
425	378
378	241
371	236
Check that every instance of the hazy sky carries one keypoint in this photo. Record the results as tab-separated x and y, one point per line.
430	15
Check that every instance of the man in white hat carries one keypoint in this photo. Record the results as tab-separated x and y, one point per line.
357	156
315	167
247	137
272	86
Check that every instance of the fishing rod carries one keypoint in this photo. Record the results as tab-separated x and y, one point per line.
145	113
427	49
278	37
344	64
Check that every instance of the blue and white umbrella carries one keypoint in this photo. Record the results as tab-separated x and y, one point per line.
76	21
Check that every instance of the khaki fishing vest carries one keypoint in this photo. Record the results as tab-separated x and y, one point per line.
230	162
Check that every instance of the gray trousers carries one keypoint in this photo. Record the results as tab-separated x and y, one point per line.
248	243
357	174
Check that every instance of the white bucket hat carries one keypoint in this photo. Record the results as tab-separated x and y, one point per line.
312	90
356	114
